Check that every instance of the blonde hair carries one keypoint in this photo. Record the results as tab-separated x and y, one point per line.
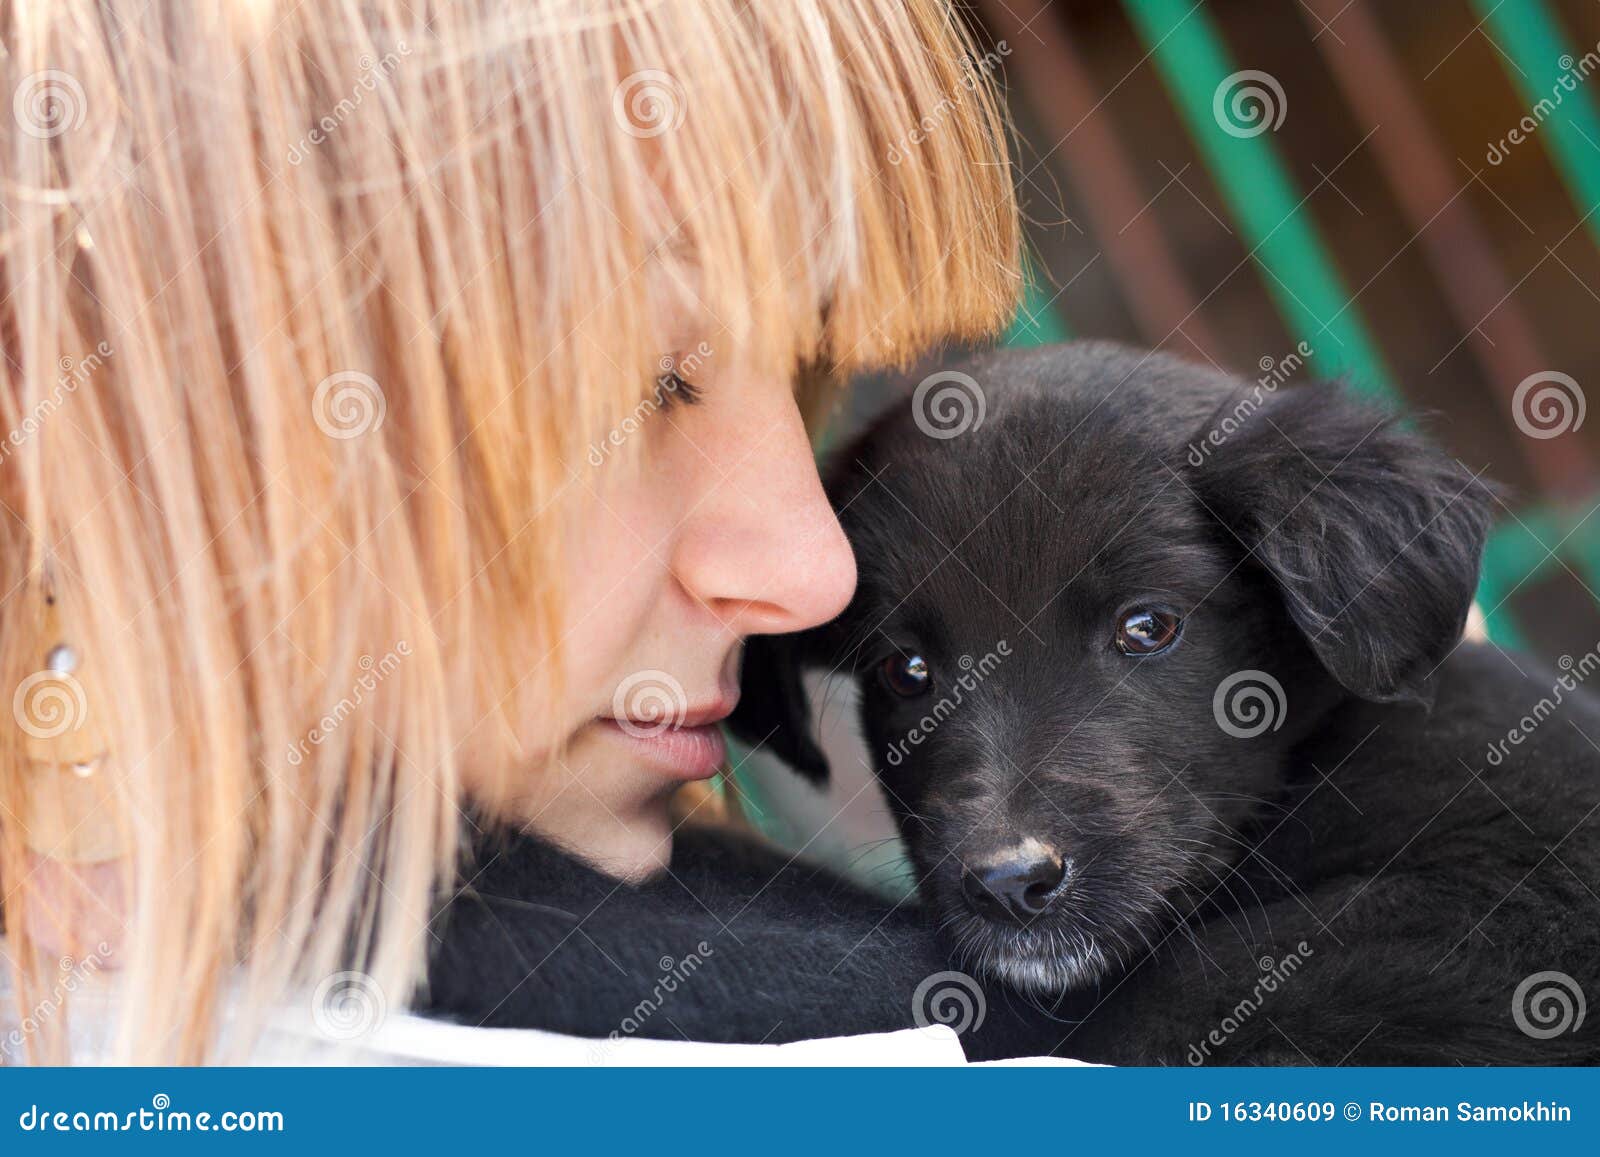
344	292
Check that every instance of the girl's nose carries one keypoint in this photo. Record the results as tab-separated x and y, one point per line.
761	547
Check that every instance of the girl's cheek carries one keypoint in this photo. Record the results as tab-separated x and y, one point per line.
617	567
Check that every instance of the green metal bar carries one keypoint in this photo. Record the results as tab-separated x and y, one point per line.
1037	322
1541	63
1517	552
1535	543
1300	276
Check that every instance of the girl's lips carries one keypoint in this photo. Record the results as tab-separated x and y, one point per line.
685	753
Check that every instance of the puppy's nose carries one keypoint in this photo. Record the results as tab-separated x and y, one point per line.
1020	889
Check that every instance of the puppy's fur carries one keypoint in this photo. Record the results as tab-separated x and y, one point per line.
1308	543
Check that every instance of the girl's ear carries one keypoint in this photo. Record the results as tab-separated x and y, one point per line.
774	711
1373	536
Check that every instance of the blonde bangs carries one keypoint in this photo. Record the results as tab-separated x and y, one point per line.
310	314
783	173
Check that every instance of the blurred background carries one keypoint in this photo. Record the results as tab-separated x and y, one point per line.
1409	190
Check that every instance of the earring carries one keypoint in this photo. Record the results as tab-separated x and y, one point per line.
70	811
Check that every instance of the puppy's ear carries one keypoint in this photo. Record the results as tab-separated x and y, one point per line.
774	711
1373	536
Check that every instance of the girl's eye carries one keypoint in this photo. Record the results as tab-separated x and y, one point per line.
906	675
673	389
1148	631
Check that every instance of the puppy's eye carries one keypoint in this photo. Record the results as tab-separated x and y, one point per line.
1148	631
905	675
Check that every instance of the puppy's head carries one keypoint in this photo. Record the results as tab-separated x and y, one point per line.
1089	630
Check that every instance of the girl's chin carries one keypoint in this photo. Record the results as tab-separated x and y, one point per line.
631	847
633	861
599	801
631	840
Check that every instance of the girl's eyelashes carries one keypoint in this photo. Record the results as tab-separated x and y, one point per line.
673	389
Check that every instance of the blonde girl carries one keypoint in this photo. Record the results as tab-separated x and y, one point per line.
405	405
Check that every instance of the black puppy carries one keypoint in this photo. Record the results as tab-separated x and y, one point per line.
1162	676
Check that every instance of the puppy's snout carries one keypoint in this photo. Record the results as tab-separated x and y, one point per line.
1016	888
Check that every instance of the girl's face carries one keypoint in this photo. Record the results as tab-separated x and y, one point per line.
721	532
